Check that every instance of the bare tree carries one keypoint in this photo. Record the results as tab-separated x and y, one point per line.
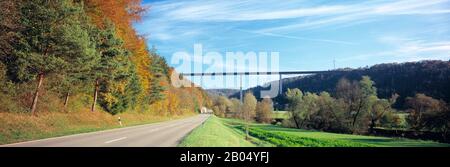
249	108
424	112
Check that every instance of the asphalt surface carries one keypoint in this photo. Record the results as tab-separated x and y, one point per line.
163	134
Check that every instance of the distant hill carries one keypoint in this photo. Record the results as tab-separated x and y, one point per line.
405	79
222	92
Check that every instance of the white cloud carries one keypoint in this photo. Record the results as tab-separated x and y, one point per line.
223	11
410	7
366	12
299	38
167	15
197	11
166	18
408	49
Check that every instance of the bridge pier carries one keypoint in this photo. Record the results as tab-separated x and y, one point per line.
280	82
240	92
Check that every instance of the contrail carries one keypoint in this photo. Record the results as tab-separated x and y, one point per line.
299	38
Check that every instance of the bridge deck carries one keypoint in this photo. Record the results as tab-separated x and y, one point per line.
257	73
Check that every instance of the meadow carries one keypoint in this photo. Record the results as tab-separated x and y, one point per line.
280	115
219	132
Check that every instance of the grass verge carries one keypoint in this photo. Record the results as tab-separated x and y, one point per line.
214	133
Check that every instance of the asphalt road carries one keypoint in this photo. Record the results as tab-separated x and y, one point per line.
163	134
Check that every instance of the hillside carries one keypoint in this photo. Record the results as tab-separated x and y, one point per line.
76	66
406	79
222	92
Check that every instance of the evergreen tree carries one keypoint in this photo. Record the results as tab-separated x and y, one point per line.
51	41
77	75
114	75
9	26
158	71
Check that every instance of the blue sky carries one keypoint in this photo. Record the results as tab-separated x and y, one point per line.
308	35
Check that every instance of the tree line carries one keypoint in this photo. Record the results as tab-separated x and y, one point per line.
354	108
87	49
249	109
430	77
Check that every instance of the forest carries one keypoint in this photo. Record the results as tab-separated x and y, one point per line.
430	77
71	56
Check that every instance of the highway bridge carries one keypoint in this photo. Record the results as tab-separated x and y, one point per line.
240	74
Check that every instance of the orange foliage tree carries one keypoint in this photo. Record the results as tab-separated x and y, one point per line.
123	13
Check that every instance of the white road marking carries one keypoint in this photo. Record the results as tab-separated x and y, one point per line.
107	142
160	126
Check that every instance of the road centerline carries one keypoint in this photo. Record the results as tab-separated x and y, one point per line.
166	133
114	140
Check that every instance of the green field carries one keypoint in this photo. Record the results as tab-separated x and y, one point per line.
219	132
213	133
280	114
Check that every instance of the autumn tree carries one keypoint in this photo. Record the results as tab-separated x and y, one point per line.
249	108
423	110
439	120
222	105
122	14
82	46
51	41
264	111
236	108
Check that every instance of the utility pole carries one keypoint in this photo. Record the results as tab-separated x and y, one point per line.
334	64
